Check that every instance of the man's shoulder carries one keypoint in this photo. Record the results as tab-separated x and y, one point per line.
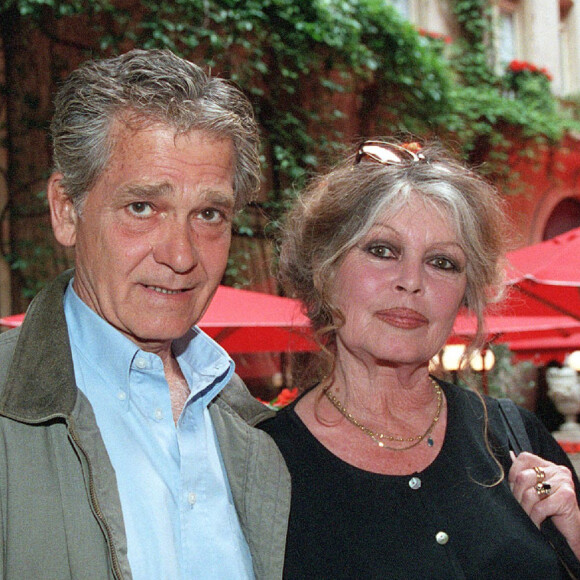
8	342
235	398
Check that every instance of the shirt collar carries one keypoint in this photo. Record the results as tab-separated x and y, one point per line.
204	363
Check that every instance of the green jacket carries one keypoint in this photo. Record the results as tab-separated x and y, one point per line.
60	513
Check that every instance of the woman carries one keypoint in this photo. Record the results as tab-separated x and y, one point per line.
396	474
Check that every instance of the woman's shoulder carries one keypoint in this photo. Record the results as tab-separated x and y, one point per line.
279	422
461	399
466	401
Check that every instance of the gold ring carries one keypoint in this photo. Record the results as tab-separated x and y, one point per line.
543	490
540	475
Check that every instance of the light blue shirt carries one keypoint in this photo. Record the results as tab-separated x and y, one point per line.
177	505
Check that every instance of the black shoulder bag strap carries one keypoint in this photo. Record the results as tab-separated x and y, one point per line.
514	426
519	441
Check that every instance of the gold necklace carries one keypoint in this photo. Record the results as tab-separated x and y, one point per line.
379	438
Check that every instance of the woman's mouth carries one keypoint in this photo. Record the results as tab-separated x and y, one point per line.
404	318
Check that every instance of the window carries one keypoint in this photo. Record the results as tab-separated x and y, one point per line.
507	17
568	53
403	7
506	38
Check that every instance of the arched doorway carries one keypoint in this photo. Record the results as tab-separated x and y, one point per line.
564	217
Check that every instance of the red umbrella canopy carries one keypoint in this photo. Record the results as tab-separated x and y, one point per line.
12	321
246	321
541	313
546	277
512	328
537	338
542	350
243	321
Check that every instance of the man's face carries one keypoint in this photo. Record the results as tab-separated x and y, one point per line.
153	235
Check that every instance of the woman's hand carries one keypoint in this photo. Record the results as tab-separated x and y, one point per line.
545	490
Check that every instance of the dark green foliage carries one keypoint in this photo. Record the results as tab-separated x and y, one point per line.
297	58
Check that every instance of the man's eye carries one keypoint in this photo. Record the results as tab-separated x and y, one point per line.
141	209
210	215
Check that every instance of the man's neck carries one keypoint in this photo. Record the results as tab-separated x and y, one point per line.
178	387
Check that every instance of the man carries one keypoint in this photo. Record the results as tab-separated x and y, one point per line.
126	446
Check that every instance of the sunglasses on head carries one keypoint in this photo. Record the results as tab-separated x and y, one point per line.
389	153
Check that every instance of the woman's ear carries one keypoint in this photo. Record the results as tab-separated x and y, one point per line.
63	215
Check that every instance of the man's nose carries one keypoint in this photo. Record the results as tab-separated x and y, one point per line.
175	246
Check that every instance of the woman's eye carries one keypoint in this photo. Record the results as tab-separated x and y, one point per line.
380	251
443	263
141	209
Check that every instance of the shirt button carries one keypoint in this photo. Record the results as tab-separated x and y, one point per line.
158	414
191	498
140	363
121	395
442	538
414	483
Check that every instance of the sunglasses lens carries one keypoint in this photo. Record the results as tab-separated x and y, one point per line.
382	154
385	153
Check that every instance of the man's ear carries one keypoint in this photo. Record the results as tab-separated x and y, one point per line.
63	215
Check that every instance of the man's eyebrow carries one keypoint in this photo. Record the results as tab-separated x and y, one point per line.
146	191
218	197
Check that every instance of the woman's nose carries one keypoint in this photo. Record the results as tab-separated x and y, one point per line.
410	278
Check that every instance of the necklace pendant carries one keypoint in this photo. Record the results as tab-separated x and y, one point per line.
379	438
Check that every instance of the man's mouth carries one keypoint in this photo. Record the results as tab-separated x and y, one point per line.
165	290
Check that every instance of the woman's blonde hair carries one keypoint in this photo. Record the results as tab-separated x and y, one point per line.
338	208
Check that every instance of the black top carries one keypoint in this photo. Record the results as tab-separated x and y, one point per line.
441	523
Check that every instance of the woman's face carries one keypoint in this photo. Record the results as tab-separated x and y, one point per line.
400	287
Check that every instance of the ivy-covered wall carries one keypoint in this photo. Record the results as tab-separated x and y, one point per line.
321	73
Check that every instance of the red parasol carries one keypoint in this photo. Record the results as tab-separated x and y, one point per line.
12	321
546	277
243	321
540	317
510	328
537	338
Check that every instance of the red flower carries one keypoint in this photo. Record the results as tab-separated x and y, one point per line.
517	66
285	397
570	446
434	35
546	73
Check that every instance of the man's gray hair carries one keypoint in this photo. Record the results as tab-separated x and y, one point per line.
151	86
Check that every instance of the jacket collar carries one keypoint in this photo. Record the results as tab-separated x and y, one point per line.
40	382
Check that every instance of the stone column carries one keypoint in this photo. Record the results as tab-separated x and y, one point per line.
540	37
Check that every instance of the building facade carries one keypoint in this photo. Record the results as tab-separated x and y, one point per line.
545	201
543	32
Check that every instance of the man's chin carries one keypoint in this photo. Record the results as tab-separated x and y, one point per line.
159	338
